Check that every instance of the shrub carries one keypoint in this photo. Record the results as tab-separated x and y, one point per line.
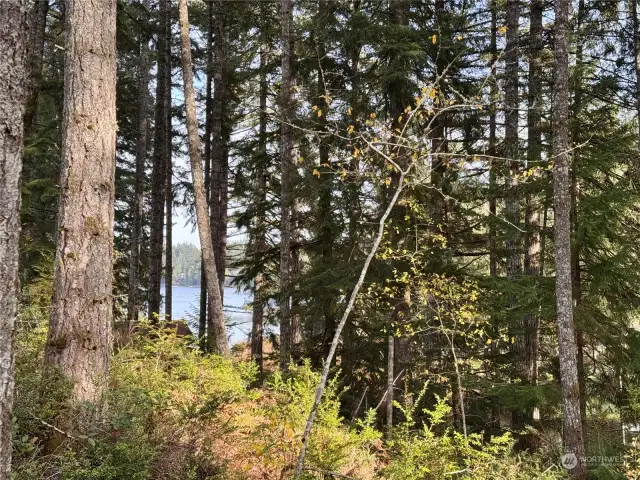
424	455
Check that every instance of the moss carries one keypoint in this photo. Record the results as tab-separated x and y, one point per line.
93	226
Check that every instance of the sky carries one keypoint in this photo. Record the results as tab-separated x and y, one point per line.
183	232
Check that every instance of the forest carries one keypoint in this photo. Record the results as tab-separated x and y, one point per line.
433	206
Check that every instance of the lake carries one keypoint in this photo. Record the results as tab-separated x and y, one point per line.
186	304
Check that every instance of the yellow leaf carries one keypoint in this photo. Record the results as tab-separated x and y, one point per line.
388	181
314	108
489	341
459	37
434	39
316	172
502	30
319	113
350	129
356	152
349	111
372	115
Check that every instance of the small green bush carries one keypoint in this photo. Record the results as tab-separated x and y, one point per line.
424	455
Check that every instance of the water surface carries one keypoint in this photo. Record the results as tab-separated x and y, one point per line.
186	304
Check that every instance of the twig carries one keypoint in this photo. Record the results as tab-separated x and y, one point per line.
54	428
343	321
387	391
357	409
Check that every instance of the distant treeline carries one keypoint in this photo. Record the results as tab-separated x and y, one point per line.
186	263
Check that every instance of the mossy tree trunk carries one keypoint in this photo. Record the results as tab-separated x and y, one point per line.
79	336
12	93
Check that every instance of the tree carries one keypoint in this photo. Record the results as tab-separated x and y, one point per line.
636	61
221	345
168	251
286	179
12	93
219	177
137	204
202	320
531	322
160	159
259	240
573	440
78	341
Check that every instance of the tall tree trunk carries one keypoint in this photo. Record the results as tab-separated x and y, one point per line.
37	24
511	152
352	195
493	153
259	231
531	321
12	93
219	151
286	181
168	255
159	170
399	98
493	257
575	201
573	439
202	325
636	53
325	214
219	131
511	103
221	344
79	336
137	204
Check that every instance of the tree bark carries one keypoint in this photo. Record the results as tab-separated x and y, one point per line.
219	133
159	170
511	103
219	151
511	153
493	153
260	225
221	345
327	318
636	53
531	321
79	336
35	49
137	204
390	380
202	325
12	96
286	179
168	255
575	201
573	438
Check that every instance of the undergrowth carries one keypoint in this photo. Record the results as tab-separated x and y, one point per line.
173	413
